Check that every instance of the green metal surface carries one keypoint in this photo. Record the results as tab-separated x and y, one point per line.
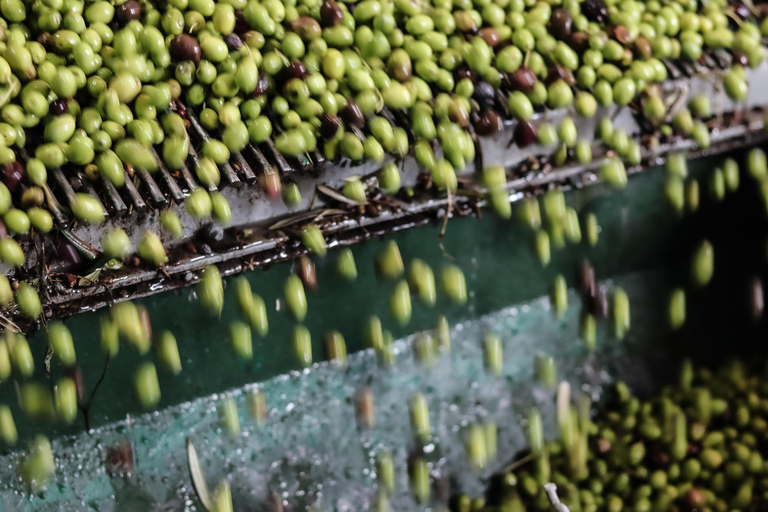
310	451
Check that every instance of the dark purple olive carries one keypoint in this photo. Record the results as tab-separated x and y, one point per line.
3	229
525	134
59	106
352	114
488	123
597	304
555	73
185	47
594	10
129	11
241	24
331	13
233	41
295	69
12	175
585	278
561	24
329	125
464	72
579	41
484	93
262	85
523	80
66	252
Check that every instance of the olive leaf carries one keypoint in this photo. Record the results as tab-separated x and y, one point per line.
198	479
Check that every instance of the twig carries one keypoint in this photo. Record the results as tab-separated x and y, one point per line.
87	408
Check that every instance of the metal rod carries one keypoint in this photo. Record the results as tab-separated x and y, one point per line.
138	202
155	194
173	188
115	201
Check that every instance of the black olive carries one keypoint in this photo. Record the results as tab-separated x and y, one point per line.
523	80
484	93
295	69
59	106
262	85
329	125
12	175
185	47
331	13
525	134
129	11
352	114
233	41
489	123
561	23
595	10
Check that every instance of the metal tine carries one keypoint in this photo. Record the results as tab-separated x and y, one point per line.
240	164
226	169
709	61
673	70
188	178
699	67
138	202
256	159
173	188
318	157
195	158
116	202
686	68
63	184
282	163
155	194
92	191
723	58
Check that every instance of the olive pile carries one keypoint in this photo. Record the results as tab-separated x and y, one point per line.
696	445
104	89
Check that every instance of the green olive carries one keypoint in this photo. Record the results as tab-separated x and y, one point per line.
295	297
116	243
400	303
239	335
345	264
28	300
168	353
302	345
211	291
61	343
151	249
146	386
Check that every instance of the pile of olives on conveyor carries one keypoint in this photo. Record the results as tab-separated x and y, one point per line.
100	90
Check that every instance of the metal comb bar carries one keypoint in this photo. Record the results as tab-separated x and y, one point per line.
257	159
672	69
138	202
155	194
116	202
188	178
173	188
241	165
63	184
282	163
227	171
723	58
709	61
